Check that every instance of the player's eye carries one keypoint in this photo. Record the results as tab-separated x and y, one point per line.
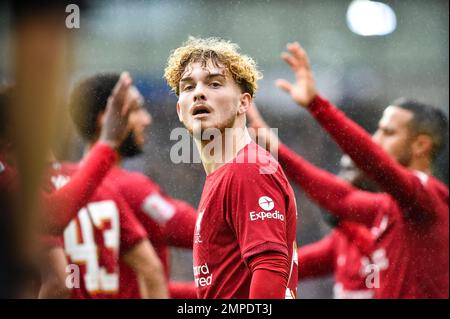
215	84
188	87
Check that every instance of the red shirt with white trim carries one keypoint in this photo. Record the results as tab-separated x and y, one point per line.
94	241
168	222
410	220
337	254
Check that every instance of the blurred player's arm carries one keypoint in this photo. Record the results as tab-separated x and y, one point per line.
393	178
143	260
139	254
331	192
179	230
327	190
176	218
53	274
62	205
317	259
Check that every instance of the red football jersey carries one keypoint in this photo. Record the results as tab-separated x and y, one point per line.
96	238
168	222
411	255
410	221
244	210
339	255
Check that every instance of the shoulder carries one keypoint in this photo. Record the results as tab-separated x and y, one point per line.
256	163
439	187
431	185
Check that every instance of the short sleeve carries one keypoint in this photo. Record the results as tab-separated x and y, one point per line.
257	211
131	231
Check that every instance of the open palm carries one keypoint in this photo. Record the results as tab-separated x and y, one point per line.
303	90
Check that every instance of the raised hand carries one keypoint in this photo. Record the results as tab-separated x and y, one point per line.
303	90
115	120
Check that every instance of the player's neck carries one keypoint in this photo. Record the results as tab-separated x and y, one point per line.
216	153
422	165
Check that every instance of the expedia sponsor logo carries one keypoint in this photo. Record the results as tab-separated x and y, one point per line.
202	276
266	215
266	203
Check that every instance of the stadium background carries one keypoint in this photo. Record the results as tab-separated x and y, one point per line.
360	74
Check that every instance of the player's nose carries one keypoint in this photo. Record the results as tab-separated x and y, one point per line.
199	93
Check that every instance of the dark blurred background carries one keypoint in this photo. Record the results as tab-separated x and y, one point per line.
362	60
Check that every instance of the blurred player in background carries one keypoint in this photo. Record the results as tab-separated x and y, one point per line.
244	244
60	206
105	233
410	219
169	222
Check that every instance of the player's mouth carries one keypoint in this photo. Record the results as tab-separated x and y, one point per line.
199	111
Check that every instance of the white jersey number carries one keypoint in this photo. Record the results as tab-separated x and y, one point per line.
84	250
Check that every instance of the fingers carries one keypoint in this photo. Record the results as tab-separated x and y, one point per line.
123	83
130	101
284	85
299	53
120	90
297	58
290	60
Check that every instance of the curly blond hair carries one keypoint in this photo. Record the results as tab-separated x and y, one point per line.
221	53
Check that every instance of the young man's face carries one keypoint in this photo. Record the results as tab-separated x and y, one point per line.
209	97
394	135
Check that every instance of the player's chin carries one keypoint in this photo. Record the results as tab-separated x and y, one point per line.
202	125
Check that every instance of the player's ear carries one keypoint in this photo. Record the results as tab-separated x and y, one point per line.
246	101
422	145
179	112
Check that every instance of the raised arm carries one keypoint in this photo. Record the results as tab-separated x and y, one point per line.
327	190
393	178
62	205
